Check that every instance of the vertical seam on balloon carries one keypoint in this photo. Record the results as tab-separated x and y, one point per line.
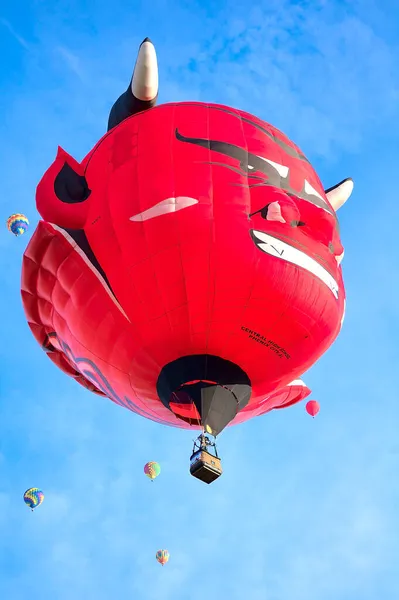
247	208
150	260
166	312
136	330
212	233
153	359
188	311
52	291
110	215
257	258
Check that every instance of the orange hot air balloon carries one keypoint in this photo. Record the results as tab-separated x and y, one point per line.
162	557
312	408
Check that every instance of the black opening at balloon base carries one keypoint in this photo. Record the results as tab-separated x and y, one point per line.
204	390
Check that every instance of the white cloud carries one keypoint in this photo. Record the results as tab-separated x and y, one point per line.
21	41
72	60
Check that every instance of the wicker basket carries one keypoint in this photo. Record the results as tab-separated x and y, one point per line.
205	466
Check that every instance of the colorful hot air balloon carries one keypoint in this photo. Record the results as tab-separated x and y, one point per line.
312	407
152	470
192	262
17	224
33	497
162	557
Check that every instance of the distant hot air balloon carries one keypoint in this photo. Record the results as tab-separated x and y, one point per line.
162	557
17	224
152	469
33	497
312	408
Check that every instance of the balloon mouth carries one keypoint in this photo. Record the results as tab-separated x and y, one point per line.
204	391
275	247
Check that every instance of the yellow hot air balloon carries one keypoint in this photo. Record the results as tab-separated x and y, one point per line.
33	497
17	224
162	557
152	469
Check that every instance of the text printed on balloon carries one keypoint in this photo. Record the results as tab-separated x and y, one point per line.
260	339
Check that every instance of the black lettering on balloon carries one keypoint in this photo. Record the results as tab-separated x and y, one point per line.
260	339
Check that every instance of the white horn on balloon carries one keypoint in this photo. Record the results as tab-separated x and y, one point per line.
142	92
339	193
144	83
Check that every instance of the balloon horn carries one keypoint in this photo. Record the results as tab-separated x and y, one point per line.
142	92
338	194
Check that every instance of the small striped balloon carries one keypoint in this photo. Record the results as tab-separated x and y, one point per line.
33	497
152	469
17	224
162	557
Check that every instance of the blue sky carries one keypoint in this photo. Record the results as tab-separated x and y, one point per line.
306	509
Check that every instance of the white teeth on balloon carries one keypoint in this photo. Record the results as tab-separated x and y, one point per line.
340	257
281	169
165	207
284	251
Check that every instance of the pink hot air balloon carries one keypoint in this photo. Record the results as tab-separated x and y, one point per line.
312	408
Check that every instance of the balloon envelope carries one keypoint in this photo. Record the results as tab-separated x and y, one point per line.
152	469
189	266
33	497
162	556
312	407
17	224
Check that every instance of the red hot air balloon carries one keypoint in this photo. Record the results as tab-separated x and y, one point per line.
312	407
189	267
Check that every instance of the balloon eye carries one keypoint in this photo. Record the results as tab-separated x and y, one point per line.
70	187
297	224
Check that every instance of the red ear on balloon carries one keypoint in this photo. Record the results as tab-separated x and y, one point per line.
63	195
312	407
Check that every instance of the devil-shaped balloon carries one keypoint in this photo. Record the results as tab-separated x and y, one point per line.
189	267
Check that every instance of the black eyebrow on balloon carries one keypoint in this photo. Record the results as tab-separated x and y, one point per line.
215	145
286	147
243	156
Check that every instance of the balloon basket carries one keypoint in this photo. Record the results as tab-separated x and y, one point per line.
205	465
